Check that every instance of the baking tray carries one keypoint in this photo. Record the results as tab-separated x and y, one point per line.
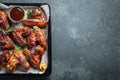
48	70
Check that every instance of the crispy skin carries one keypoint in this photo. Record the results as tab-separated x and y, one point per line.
35	22
4	19
40	37
38	13
37	36
39	50
21	58
37	59
17	58
19	34
4	57
5	41
12	63
38	19
34	58
31	41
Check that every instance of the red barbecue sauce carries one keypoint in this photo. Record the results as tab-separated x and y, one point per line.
16	13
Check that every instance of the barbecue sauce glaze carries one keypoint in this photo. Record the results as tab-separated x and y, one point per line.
16	13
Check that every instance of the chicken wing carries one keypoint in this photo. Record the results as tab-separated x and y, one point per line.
4	57
17	58
21	58
40	37
12	63
39	50
19	34
38	19
34	59
38	13
35	22
31	41
37	36
4	19
5	41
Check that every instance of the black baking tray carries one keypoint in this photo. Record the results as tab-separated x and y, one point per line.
49	69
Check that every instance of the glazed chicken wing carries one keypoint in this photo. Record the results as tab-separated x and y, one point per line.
6	53
4	57
40	37
38	13
21	58
31	41
17	58
4	19
39	50
19	34
12	63
5	41
35	22
37	36
34	59
38	18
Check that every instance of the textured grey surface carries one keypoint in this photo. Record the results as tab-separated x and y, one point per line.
85	39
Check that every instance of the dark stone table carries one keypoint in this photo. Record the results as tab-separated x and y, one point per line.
85	39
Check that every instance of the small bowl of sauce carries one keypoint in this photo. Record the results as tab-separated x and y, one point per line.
16	14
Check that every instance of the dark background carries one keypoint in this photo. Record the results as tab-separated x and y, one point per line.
85	39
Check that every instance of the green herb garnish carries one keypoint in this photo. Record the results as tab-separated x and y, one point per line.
29	14
9	30
35	27
17	47
27	57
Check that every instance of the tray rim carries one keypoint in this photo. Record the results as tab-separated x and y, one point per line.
49	69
